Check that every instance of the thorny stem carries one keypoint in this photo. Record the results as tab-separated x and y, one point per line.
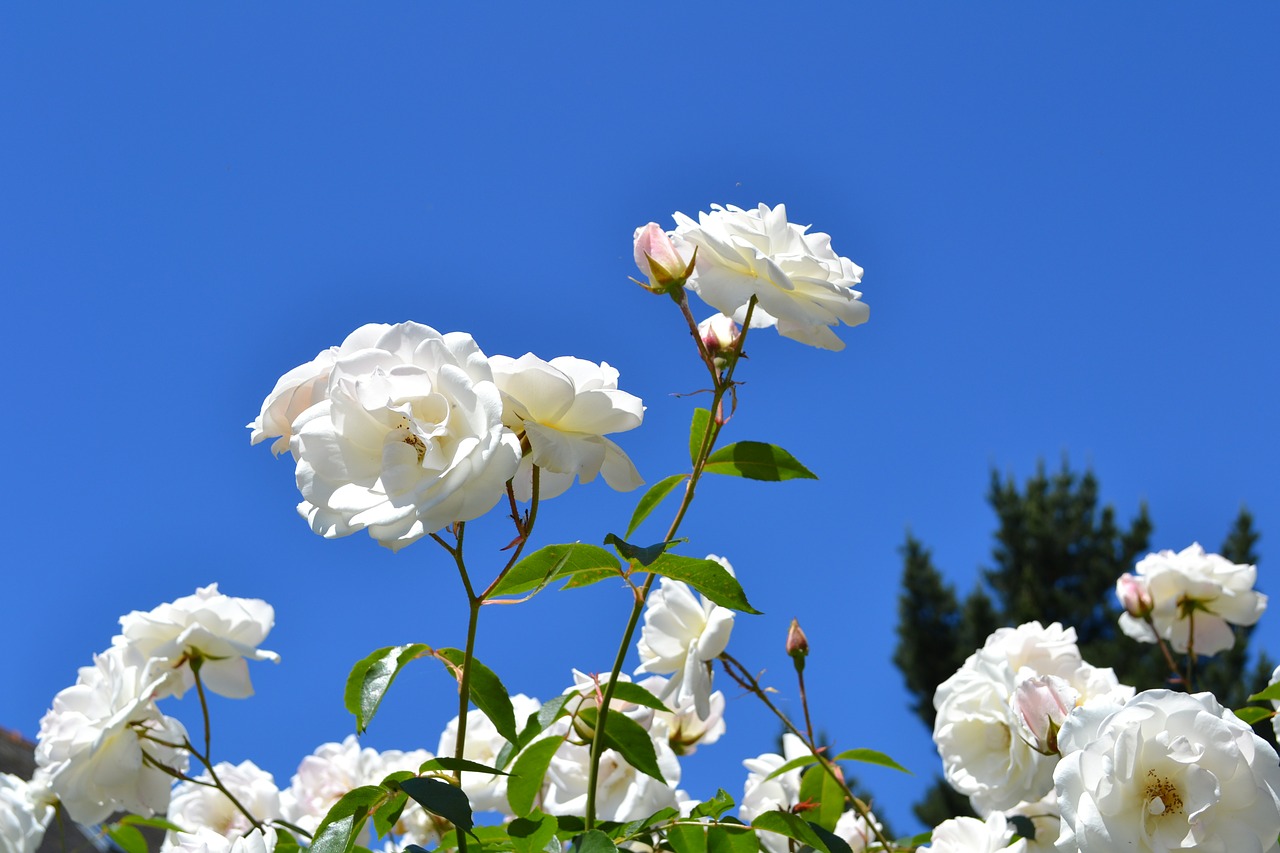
1191	650
722	383
749	683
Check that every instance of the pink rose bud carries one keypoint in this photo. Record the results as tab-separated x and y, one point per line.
658	260
1133	595
719	333
797	642
1042	704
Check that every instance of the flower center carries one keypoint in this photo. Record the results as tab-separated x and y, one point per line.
1161	796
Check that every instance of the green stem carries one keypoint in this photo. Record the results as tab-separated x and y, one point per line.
722	384
746	680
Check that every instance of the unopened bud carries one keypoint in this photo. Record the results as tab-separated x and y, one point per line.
1134	596
1042	704
720	336
659	260
797	642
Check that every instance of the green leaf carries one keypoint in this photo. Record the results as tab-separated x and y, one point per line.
487	692
554	709
526	775
629	691
594	841
792	826
834	843
714	807
802	761
387	815
371	678
643	556
532	834
556	561
653	498
1272	692
338	831
687	838
626	830
871	756
818	787
1254	714
153	822
756	460
587	578
697	431
129	838
633	743
440	798
707	577
447	763
731	839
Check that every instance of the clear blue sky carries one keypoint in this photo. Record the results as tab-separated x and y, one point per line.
1068	218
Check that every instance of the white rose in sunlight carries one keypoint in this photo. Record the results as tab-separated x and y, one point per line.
1042	815
196	805
92	741
23	816
989	752
970	835
623	793
408	439
303	387
1275	721
1167	771
681	726
856	832
761	794
564	408
488	793
1192	590
802	285
205	840
682	636
324	776
223	630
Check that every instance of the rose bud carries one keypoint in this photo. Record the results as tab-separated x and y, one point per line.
657	258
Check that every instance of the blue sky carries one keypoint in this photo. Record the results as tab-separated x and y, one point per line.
1068	219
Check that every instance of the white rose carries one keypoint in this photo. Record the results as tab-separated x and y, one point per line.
92	742
197	806
1192	587
408	438
204	840
303	387
622	792
23	817
970	835
681	726
856	832
761	794
979	728
1167	771
1044	819
1275	721
324	776
225	631
485	791
565	408
682	636
802	285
